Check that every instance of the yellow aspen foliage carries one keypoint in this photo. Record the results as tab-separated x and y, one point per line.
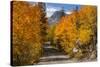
87	16
78	31
88	30
26	33
85	35
66	32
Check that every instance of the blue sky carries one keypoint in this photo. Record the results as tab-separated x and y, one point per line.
52	7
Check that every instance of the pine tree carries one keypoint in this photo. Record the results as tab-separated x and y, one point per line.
44	24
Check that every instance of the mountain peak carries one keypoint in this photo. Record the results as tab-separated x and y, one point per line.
56	16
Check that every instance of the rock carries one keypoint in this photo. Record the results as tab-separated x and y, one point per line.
93	55
75	50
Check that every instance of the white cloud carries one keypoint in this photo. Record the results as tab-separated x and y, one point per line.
68	12
51	10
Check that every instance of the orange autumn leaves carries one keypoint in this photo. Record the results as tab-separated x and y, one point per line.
66	32
26	32
80	26
23	19
88	22
30	29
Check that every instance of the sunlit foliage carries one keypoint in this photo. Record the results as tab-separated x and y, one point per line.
88	30
74	34
78	31
87	17
26	32
66	33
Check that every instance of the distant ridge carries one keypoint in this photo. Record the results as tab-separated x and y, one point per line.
56	16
